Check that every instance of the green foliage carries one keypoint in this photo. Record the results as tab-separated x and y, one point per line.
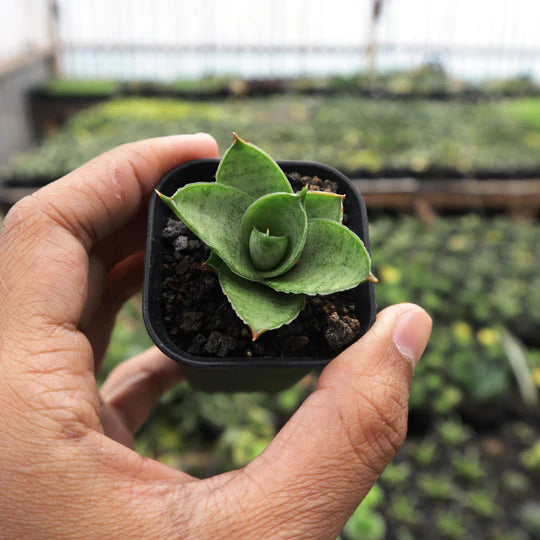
425	452
468	465
476	277
373	135
270	246
437	486
396	473
482	503
450	525
366	523
403	508
453	432
531	457
81	87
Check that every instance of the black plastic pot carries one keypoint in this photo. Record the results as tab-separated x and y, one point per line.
232	374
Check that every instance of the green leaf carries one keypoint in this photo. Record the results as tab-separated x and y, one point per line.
322	204
214	213
282	214
250	169
334	259
260	307
265	250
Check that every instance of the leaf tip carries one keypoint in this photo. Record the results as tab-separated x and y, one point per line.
160	195
256	335
372	278
236	138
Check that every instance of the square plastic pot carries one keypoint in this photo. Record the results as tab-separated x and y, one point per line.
256	373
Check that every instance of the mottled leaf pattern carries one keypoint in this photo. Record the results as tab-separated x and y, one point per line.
250	169
326	265
321	204
260	307
214	213
270	246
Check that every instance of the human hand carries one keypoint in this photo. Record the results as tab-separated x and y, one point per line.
70	255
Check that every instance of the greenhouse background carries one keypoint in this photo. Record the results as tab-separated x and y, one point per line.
433	110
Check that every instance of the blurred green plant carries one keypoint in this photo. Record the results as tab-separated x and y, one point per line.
453	432
437	486
476	277
482	503
468	465
531	457
403	508
396	473
424	453
450	525
81	87
410	136
366	522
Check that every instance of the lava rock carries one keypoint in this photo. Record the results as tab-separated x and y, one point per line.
219	344
338	333
173	229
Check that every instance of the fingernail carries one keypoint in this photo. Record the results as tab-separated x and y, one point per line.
411	334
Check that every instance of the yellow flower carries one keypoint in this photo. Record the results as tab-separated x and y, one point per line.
487	336
462	330
457	242
390	275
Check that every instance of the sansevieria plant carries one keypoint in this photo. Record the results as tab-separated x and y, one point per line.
270	246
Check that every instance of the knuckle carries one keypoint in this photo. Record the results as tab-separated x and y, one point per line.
139	158
378	425
21	214
385	420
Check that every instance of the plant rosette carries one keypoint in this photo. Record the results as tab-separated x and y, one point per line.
270	247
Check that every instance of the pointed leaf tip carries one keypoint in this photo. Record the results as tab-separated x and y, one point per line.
260	307
256	335
372	278
251	170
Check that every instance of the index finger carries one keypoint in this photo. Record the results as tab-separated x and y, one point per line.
45	238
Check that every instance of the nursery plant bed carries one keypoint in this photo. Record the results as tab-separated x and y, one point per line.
456	482
211	343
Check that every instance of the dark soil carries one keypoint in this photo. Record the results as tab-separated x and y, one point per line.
199	318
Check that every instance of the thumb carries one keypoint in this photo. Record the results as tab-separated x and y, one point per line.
327	457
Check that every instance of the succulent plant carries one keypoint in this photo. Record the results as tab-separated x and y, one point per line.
270	247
